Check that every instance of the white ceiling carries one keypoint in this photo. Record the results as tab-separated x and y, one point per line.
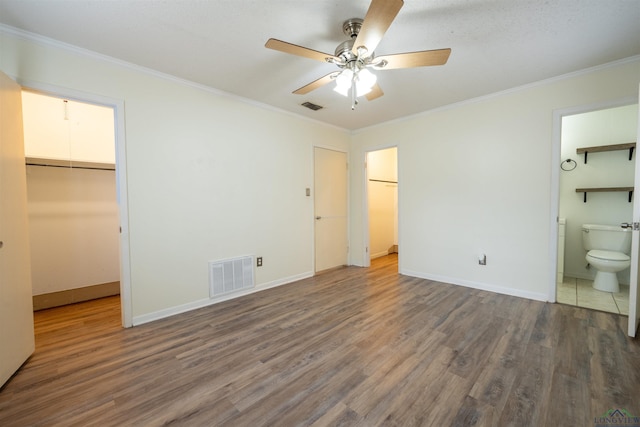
496	45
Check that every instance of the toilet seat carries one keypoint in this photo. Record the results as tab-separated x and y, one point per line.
608	255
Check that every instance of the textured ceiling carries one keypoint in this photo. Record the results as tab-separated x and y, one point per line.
496	45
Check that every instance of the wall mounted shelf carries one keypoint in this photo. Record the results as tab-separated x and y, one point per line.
600	148
602	189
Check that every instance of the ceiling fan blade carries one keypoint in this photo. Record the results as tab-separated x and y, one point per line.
414	59
379	17
316	83
376	92
298	50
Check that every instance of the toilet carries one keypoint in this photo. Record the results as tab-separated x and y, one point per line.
608	248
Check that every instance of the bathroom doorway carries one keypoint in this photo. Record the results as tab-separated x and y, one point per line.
382	203
604	174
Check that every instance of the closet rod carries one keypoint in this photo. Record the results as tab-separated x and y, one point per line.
382	180
108	168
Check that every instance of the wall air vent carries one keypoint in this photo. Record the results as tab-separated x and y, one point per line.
230	275
312	106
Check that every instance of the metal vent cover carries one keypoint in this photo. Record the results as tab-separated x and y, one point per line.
312	106
230	275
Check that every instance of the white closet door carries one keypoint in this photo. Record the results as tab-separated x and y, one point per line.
330	206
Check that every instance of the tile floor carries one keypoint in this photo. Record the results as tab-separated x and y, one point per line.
580	292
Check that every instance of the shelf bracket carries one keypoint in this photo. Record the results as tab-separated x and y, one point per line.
584	191
631	146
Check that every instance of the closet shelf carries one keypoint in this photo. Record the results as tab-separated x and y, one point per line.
604	189
600	148
71	164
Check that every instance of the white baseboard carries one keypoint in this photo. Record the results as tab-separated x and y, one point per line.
478	285
379	254
194	305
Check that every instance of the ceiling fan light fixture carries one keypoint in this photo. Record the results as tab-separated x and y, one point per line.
342	90
362	90
343	82
365	81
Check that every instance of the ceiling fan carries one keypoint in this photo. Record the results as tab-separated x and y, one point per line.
355	57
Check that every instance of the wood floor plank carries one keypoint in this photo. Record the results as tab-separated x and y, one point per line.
613	372
352	346
498	375
530	394
474	413
571	334
570	395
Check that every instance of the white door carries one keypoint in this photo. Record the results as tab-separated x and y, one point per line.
330	201
634	311
16	309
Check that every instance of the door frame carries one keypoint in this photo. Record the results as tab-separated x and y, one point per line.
126	308
556	145
365	202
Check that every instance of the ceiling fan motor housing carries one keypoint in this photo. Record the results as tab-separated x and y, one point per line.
351	28
343	51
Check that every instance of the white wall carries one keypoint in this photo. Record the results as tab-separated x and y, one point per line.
476	177
67	130
383	200
209	176
73	228
606	169
212	177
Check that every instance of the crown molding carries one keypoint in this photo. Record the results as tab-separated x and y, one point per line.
56	44
501	93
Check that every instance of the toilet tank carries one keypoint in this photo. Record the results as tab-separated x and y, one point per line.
606	237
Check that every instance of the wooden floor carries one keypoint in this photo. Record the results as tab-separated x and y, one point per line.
353	346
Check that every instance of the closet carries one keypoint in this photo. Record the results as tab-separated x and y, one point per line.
382	182
71	200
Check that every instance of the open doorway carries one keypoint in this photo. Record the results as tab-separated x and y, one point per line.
597	175
72	203
382	202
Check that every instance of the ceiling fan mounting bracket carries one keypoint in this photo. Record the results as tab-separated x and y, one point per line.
351	27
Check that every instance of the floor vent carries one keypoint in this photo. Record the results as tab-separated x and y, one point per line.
230	275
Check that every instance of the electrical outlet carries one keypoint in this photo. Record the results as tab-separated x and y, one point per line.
259	261
482	259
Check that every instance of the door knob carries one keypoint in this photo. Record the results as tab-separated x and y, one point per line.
318	217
